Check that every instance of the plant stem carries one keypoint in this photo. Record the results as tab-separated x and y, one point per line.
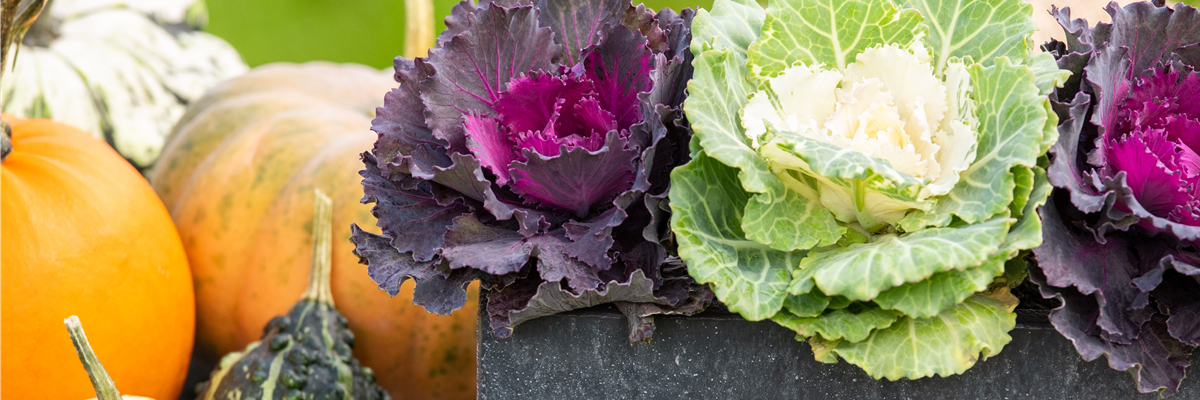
322	257
16	16
5	140
105	388
418	27
42	31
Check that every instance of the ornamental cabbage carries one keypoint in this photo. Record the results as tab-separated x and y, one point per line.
866	174
1122	225
531	150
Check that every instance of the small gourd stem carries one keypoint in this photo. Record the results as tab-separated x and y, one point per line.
418	27
105	388
322	262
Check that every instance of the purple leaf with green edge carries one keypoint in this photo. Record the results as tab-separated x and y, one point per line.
576	179
412	217
620	69
439	292
1157	359
476	65
578	24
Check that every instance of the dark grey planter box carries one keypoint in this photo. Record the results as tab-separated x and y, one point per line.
584	354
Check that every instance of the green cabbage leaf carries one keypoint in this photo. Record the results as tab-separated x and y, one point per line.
867	173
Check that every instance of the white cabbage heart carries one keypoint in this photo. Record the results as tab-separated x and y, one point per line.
889	105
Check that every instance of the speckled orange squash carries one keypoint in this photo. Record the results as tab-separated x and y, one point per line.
84	234
237	175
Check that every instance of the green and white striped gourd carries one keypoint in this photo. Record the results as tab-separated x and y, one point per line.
123	70
305	354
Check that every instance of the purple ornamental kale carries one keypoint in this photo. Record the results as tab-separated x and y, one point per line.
531	150
1121	228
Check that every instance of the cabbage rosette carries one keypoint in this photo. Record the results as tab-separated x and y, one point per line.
866	173
531	151
1122	224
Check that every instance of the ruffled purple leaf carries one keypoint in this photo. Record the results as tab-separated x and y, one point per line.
407	211
546	135
578	24
620	69
440	292
405	143
1152	172
488	140
475	66
388	267
535	103
1141	37
509	309
1157	360
498	251
491	249
640	316
576	179
1121	229
1111	268
457	22
592	239
465	176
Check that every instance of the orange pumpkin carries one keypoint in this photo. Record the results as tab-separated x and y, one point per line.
84	234
237	175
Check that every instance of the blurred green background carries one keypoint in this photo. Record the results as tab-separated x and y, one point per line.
369	32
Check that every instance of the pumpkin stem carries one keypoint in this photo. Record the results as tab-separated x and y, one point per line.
43	31
105	388
322	262
5	140
15	18
418	27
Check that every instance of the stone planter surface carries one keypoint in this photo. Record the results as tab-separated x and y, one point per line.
584	354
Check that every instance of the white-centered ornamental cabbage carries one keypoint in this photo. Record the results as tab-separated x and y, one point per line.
887	104
867	173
